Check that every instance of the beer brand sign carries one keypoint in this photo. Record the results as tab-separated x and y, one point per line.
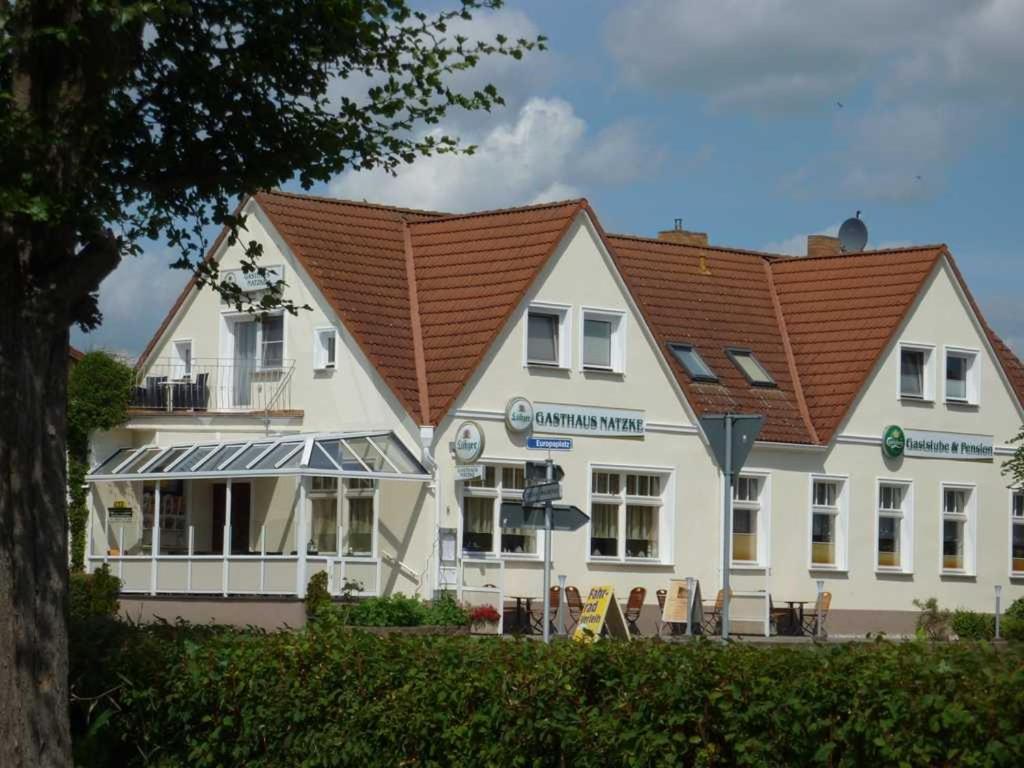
468	445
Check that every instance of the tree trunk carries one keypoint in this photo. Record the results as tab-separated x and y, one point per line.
34	729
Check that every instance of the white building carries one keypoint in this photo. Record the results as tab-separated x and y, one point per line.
420	322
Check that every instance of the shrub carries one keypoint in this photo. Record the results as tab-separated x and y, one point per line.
445	612
317	594
394	611
971	625
204	696
93	595
932	622
1011	625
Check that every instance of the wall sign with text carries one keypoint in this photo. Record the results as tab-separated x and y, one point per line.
588	420
251	281
928	444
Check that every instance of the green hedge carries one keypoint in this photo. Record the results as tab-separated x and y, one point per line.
334	697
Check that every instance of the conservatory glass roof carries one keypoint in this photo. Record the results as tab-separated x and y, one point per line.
379	455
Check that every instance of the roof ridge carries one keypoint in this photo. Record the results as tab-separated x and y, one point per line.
417	328
499	211
787	347
355	203
876	252
723	248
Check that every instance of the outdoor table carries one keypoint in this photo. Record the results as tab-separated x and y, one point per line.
169	394
523	605
796	612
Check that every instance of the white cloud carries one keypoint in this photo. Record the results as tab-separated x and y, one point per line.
909	75
543	154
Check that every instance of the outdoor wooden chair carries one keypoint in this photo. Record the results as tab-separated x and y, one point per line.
634	606
574	604
713	614
814	619
538	613
781	619
659	625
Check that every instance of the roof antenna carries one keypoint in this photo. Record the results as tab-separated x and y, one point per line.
853	235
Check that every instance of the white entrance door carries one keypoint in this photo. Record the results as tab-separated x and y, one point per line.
243	334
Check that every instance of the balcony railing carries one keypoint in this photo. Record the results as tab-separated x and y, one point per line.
213	384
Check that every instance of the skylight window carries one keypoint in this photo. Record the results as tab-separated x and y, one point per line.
750	367
692	362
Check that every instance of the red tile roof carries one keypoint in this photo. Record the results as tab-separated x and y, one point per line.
841	312
425	295
730	307
471	272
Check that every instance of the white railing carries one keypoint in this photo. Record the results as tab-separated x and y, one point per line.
226	573
214	384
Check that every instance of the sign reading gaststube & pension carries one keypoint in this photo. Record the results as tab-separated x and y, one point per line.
926	444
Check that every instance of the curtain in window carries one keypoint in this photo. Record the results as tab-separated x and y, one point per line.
912	373
640	523
542	338
273	341
324	528
604	523
597	343
479	516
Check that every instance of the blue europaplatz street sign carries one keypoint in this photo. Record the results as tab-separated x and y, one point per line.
549	443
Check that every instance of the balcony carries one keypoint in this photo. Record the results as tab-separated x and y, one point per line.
214	385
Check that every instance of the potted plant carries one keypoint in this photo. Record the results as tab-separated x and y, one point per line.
484	619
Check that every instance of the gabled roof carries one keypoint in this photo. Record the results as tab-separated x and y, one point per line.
471	272
841	312
426	294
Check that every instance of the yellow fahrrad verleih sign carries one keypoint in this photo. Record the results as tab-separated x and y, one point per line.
600	610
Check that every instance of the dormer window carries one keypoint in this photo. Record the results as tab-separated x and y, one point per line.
750	367
694	365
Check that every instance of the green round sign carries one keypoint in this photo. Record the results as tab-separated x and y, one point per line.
893	441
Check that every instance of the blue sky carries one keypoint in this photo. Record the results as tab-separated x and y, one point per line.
725	113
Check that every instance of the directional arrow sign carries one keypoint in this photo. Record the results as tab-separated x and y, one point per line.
538	494
537	472
564	517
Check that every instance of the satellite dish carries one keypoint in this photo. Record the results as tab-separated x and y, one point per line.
853	235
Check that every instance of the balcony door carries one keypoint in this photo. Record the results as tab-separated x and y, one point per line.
243	360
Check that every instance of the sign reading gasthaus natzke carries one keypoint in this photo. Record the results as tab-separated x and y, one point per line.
588	420
947	445
253	281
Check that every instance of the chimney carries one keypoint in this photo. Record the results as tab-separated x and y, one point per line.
679	235
823	245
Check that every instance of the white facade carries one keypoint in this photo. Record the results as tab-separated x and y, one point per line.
655	500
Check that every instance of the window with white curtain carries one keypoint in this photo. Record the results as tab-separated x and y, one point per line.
482	532
350	504
828	523
603	346
747	521
626	515
360	518
893	546
271	341
916	373
182	358
958	519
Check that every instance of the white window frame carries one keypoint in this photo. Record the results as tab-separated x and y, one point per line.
973	383
970	529
320	361
617	319
927	375
497	494
260	363
763	507
342	495
181	368
564	314
664	501
1015	522
906	530
841	527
